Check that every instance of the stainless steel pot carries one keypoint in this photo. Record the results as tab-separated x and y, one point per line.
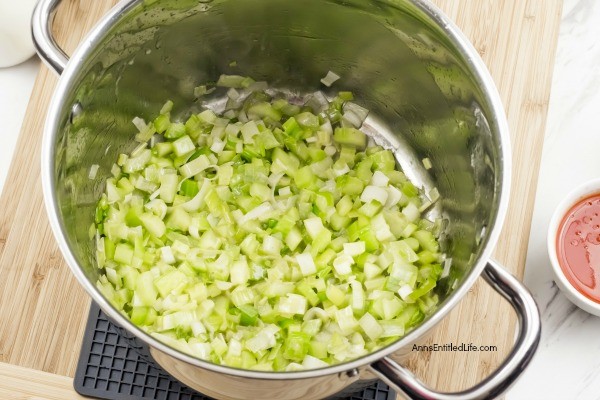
430	96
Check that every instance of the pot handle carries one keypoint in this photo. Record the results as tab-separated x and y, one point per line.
43	39
500	380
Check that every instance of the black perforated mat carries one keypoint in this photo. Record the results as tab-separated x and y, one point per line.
113	365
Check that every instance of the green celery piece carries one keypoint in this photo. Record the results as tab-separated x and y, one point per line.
153	224
297	147
349	185
383	160
411	316
350	136
423	289
132	218
344	205
179	219
318	349
339	222
198	152
145	289
325	259
265	110
267	140
162	149
347	155
307	120
396	177
397	222
292	128
175	130
125	185
345	96
109	248
143	315
194	127
285	223
248	315
363	170
284	162
409	189
321	241
430	272
316	153
123	253
234	81
368	236
251	152
226	156
162	123
304	178
427	257
101	209
296	346
169	282
189	188
426	240
307	291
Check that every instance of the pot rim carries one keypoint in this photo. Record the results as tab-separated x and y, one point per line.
490	96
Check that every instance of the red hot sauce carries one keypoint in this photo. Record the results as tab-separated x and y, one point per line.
578	246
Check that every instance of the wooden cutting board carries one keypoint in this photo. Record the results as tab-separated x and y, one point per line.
43	310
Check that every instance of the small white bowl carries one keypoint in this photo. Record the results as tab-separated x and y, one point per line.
16	44
587	189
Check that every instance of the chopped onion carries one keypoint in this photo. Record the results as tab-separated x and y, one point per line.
255	213
330	150
217	146
233	94
405	291
379	179
447	266
411	212
355	248
138	150
306	264
317	102
371	193
427	163
343	264
394	196
93	171
139	123
202	90
166	255
330	78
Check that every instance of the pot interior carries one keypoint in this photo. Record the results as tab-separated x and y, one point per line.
425	98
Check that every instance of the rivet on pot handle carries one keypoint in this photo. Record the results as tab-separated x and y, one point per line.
41	30
500	380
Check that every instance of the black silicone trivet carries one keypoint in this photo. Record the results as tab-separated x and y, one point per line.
113	365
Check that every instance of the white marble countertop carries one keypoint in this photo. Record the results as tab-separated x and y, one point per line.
567	365
16	84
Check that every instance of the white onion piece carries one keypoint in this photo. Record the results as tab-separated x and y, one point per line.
93	171
330	78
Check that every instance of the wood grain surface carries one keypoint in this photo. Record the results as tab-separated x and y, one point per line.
43	310
20	383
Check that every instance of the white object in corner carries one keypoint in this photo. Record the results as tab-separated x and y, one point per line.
16	44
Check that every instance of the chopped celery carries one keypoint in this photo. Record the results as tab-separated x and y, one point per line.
270	237
350	136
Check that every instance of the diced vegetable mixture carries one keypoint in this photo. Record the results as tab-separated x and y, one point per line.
274	236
